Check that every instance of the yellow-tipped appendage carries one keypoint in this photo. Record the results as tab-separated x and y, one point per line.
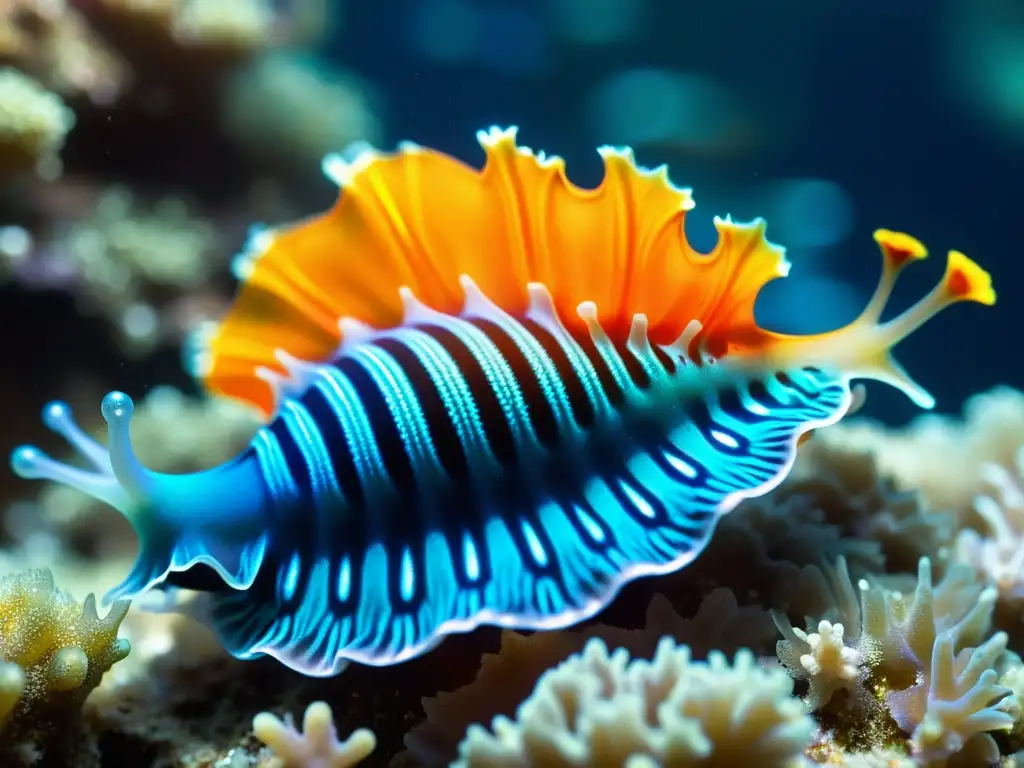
863	349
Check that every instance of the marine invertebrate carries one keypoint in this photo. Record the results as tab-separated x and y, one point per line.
505	679
925	657
462	439
959	699
999	556
204	26
601	709
33	124
53	42
943	458
847	487
246	25
171	431
317	746
53	652
126	254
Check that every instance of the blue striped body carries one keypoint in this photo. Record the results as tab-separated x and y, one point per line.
485	469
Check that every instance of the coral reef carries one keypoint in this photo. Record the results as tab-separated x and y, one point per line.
34	124
53	652
601	709
943	459
921	659
867	612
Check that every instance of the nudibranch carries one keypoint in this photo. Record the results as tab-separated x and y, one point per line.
492	397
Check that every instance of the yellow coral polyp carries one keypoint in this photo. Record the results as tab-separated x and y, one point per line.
53	652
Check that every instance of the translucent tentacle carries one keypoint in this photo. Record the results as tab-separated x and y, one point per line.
116	477
863	349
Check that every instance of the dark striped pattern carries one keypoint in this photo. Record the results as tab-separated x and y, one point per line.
418	428
494	469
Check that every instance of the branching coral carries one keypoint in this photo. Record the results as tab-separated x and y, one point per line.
999	556
33	124
943	458
53	651
128	255
841	653
958	699
52	41
317	746
600	709
506	678
924	657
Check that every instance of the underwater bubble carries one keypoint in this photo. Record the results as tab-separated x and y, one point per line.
15	243
598	22
985	60
658	106
810	213
140	322
445	31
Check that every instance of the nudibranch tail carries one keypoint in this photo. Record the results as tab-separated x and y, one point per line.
863	349
181	520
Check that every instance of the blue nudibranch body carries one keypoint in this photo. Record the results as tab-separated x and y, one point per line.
493	398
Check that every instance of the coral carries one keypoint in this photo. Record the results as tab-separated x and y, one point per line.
506	678
1011	676
720	623
503	681
600	709
33	125
54	652
317	746
240	27
999	556
54	43
842	652
958	699
246	25
924	657
127	256
940	457
846	484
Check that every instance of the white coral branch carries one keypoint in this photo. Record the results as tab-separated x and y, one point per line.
317	746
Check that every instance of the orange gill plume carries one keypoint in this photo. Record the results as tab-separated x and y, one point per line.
419	221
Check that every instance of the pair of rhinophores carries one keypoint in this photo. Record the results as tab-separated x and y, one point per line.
492	397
